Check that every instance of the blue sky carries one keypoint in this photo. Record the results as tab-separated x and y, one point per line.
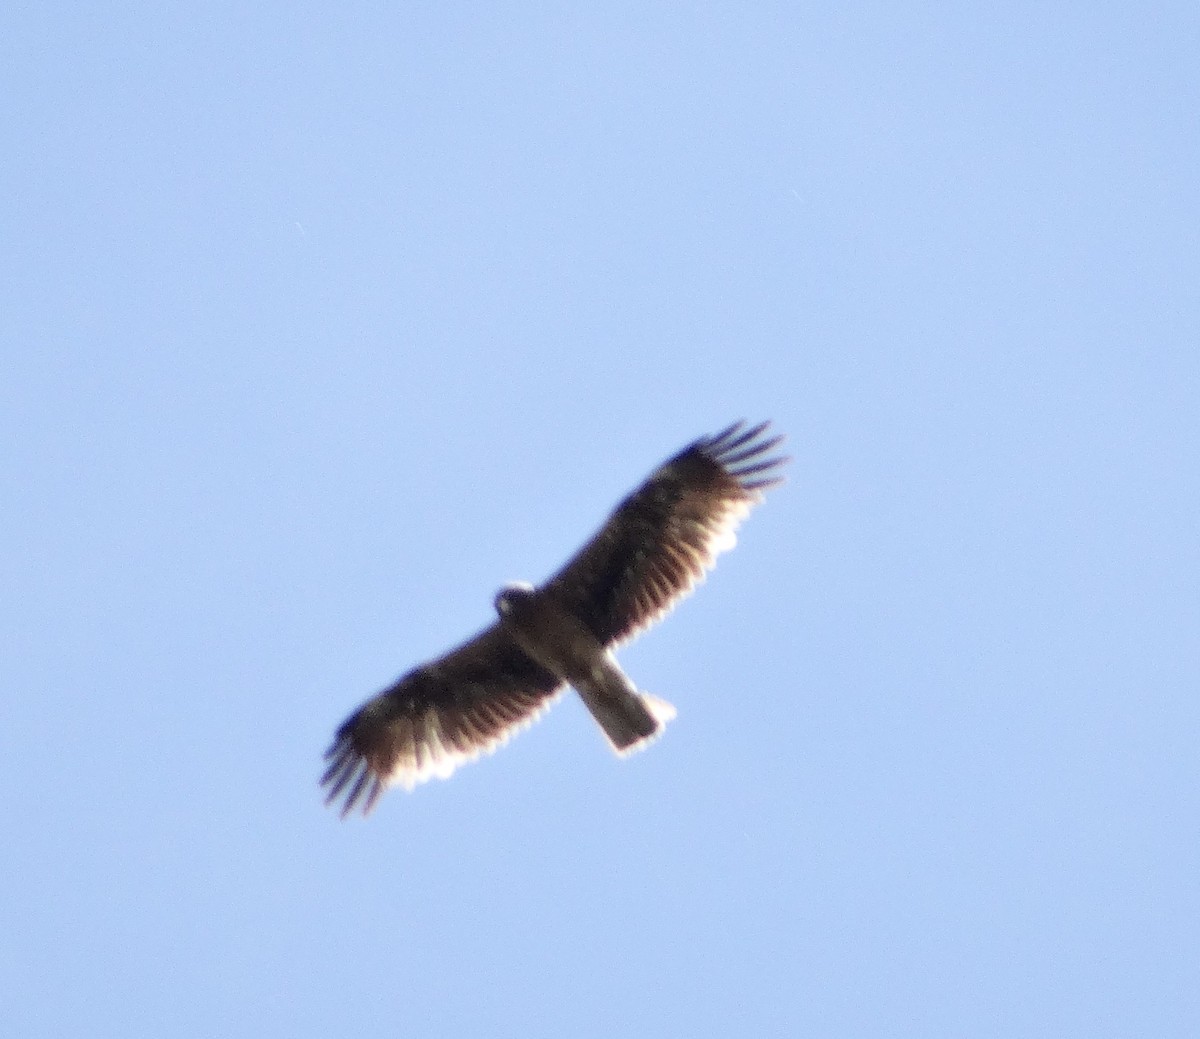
320	324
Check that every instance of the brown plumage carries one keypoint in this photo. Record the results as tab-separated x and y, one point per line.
650	553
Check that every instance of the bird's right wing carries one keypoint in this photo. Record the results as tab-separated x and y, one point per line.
436	717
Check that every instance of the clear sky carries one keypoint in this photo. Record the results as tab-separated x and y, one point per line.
320	322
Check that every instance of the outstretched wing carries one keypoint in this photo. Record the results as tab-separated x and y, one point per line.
435	718
660	541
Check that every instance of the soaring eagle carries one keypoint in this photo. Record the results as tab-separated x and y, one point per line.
651	552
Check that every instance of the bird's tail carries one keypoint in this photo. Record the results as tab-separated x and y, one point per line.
629	719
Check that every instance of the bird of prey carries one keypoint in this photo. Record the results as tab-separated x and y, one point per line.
650	553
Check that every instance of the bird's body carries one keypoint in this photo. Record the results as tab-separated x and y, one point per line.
547	630
649	554
559	641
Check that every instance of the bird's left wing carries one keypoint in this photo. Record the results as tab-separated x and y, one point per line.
436	717
665	535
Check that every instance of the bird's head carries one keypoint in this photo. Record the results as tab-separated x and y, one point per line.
512	594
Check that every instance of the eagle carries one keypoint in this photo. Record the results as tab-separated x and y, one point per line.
650	553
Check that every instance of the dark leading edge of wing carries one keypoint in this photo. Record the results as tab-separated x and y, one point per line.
660	541
436	717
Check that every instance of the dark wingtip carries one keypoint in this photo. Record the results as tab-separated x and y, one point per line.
740	449
725	434
347	768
